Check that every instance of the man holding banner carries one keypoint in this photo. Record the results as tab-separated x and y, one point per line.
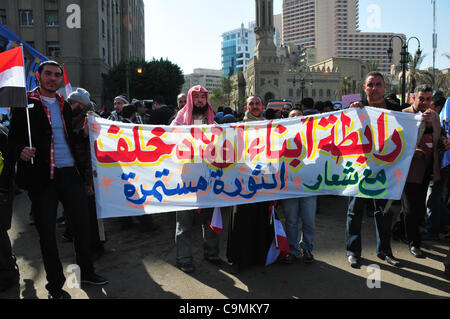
374	87
197	111
48	170
425	163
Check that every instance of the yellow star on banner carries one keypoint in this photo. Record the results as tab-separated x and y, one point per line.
106	183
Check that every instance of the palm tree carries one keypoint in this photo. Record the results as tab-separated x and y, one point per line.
371	66
345	85
415	76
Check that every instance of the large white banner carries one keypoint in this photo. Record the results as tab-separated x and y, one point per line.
143	169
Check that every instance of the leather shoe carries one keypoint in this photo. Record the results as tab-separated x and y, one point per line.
416	252
186	267
354	261
390	259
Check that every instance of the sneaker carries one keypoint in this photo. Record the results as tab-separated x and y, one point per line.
354	261
59	295
308	257
94	279
186	267
288	259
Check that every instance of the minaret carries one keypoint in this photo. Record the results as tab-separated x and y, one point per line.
264	29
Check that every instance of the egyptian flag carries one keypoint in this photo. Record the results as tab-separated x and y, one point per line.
216	221
67	83
445	122
280	244
12	79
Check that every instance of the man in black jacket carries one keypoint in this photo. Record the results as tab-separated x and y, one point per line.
374	87
49	171
9	274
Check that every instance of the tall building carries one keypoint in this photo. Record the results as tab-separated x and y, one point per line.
332	28
237	48
284	75
208	78
89	37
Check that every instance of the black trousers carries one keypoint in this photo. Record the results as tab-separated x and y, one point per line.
8	269
413	207
67	187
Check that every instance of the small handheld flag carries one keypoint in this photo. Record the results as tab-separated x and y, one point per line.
67	84
216	221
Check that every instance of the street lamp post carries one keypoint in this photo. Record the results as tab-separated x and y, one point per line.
404	59
127	73
302	81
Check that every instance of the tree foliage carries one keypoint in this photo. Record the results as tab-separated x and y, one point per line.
158	78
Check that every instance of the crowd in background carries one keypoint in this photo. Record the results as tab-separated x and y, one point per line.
62	158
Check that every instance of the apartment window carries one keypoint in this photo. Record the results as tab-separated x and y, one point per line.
52	19
3	16
26	18
53	49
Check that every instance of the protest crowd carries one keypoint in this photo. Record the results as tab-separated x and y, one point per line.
58	168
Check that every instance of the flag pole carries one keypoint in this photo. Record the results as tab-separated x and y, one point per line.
26	107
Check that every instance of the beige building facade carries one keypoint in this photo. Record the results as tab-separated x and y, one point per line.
89	37
208	78
332	28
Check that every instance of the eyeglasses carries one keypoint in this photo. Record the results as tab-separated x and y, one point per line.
254	103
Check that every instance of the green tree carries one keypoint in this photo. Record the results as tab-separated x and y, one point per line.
158	77
345	85
415	76
371	66
227	88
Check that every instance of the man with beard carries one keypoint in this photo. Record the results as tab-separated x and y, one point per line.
50	172
80	103
197	111
119	102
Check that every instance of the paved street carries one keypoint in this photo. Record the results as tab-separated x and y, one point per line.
141	265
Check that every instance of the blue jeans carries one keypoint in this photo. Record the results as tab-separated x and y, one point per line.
383	224
294	209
